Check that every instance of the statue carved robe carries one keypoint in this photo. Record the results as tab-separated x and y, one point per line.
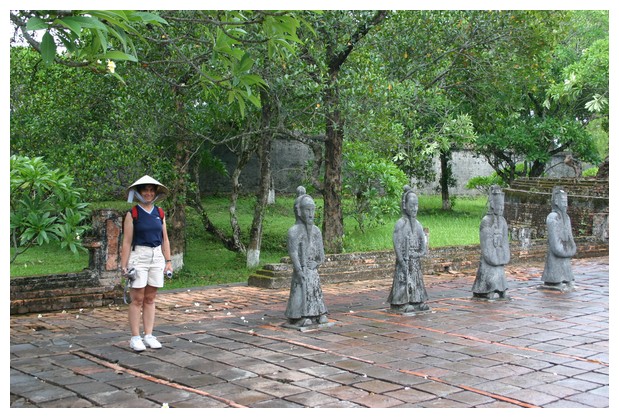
410	245
495	254
306	251
561	249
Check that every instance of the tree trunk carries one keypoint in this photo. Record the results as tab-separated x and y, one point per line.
206	221
336	55
241	161
444	181
332	221
262	199
176	216
537	169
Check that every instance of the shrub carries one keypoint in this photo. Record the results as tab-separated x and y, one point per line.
45	207
590	172
373	183
483	183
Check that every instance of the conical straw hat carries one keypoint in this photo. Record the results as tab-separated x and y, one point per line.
162	191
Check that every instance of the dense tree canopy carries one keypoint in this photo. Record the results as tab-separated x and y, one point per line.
147	91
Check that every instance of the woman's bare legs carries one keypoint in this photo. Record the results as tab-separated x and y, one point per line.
148	309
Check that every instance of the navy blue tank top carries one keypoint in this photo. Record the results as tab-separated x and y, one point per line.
148	228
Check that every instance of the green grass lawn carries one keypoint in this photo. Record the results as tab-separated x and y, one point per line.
207	262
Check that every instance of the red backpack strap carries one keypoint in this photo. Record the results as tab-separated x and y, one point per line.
134	215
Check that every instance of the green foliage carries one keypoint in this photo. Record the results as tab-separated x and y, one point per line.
535	140
590	172
598	130
373	183
584	68
105	134
93	38
496	67
208	263
45	207
202	76
483	183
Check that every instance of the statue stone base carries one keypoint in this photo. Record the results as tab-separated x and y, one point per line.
558	287
410	309
307	324
491	297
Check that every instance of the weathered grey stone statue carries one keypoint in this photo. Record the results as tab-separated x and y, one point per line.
494	242
305	248
408	292
561	246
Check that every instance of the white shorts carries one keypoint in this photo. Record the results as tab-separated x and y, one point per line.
148	263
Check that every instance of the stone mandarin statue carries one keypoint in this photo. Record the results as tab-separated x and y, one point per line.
494	242
408	292
561	246
305	248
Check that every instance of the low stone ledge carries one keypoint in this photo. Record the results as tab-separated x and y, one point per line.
381	264
95	299
60	292
75	280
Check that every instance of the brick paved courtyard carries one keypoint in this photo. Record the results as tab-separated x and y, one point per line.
225	347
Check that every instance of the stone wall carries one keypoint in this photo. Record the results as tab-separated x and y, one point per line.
465	165
59	292
290	158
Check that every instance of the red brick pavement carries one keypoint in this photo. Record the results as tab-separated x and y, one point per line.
225	347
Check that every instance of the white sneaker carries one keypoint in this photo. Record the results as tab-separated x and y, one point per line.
137	344
151	341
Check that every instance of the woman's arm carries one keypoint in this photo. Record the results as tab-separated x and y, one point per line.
127	240
165	248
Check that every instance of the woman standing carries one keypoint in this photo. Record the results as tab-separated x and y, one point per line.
146	249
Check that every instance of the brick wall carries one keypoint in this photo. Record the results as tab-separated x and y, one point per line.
527	204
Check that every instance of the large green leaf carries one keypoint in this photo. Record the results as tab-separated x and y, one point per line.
119	56
73	23
48	48
36	23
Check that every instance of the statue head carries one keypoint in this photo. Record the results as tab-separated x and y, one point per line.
410	202
304	207
496	200
559	199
